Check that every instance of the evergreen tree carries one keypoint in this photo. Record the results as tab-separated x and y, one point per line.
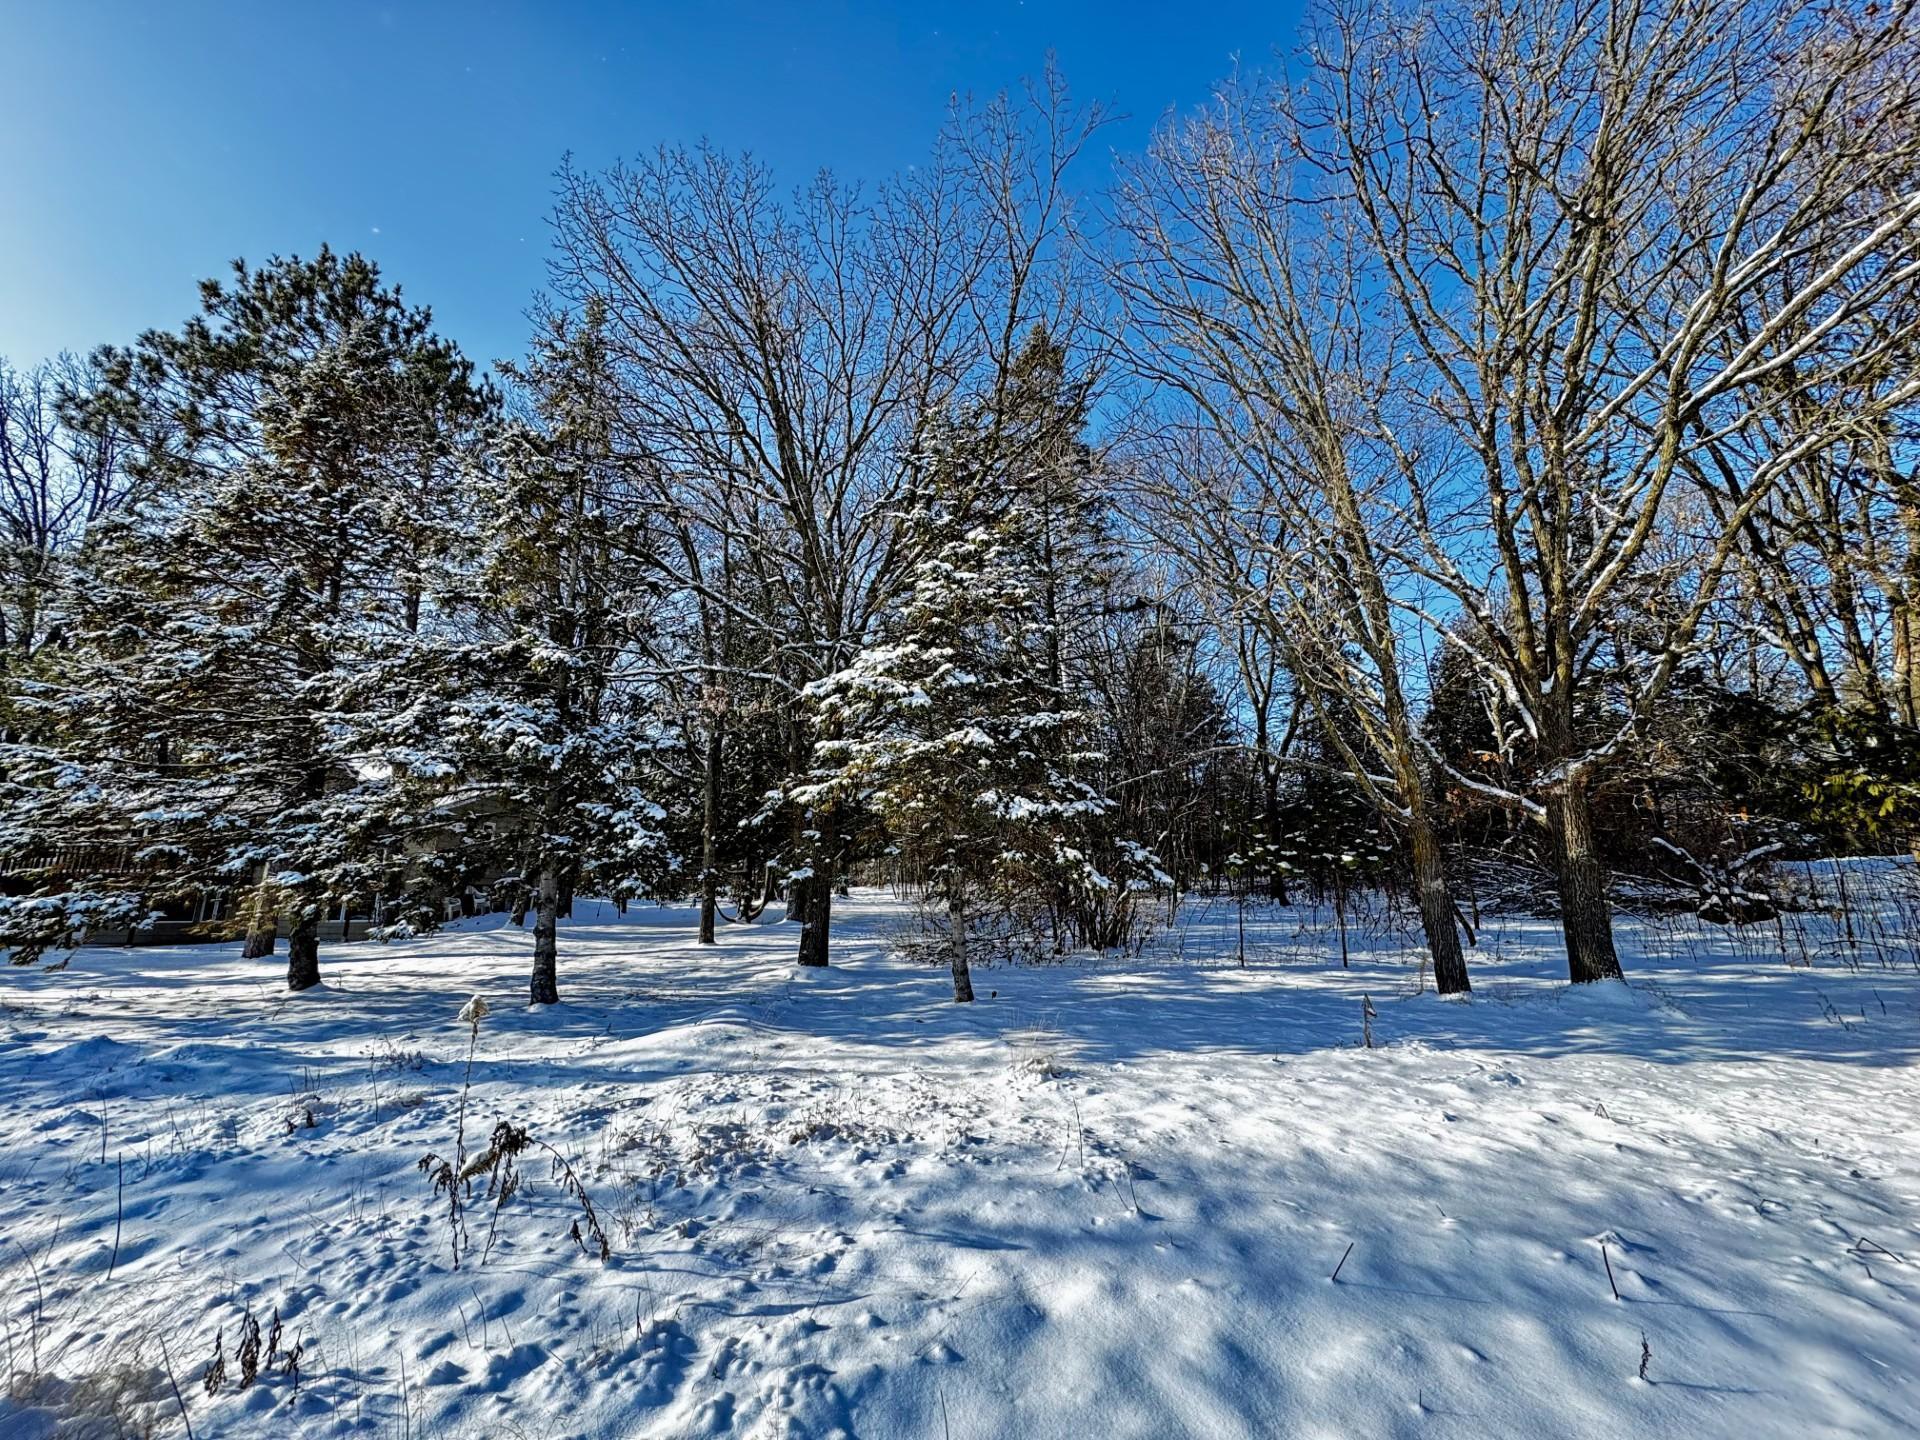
1021	459
950	730
298	437
535	732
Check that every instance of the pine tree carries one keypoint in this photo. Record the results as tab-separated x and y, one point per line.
297	439
536	727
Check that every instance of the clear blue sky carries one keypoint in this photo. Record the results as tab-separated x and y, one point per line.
145	143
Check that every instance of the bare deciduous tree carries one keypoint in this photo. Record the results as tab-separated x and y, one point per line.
1614	232
59	472
1247	307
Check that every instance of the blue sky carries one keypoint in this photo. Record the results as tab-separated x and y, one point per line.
147	144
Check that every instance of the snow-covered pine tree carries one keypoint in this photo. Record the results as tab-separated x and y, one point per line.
532	711
1027	444
293	451
949	729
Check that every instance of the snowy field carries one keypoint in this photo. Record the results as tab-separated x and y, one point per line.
1107	1200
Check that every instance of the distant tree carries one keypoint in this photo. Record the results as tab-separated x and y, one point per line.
61	471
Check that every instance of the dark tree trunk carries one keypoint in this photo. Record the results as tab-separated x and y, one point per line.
563	899
709	839
818	924
303	951
1277	877
957	927
1340	915
303	939
519	913
1437	910
1585	915
545	988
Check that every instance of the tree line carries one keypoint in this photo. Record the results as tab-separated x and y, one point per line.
1490	430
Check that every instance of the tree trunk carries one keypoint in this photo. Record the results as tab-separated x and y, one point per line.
1906	612
818	924
1585	916
1906	675
797	836
1437	910
261	925
1340	916
957	926
1270	806
303	950
709	840
545	989
563	899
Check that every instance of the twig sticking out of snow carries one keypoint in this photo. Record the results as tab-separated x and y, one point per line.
178	1399
1609	1264
119	1209
450	1175
1335	1277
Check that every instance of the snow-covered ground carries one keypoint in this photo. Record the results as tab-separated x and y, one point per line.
1108	1199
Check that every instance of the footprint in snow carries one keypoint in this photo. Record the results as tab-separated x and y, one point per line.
813	1404
503	1370
730	1359
715	1416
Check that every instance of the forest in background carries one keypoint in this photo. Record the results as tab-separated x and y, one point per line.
1479	450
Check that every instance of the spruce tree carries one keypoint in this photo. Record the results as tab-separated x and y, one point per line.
538	701
948	729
